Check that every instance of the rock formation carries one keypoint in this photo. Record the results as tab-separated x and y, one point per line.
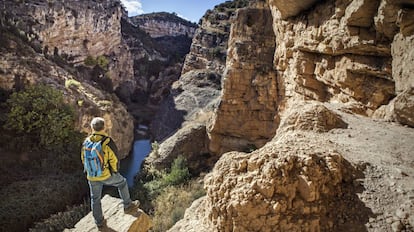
247	112
330	57
76	31
157	61
208	49
194	96
21	65
354	56
164	24
204	66
322	54
284	186
311	117
116	219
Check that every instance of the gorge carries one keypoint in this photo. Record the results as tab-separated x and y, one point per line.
295	116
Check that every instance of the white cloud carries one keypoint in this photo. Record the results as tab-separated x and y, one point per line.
133	7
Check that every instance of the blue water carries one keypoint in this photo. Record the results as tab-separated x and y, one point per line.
131	165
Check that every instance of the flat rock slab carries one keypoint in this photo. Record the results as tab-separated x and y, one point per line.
116	219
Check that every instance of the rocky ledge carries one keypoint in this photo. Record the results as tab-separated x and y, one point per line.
116	219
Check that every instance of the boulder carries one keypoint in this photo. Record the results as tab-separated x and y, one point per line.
312	117
400	109
116	219
293	183
190	142
404	107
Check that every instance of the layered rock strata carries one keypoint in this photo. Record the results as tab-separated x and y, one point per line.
334	54
164	24
157	62
21	66
354	54
76	30
247	112
209	47
201	72
195	95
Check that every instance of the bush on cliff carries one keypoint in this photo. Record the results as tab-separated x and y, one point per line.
39	118
167	194
178	174
41	170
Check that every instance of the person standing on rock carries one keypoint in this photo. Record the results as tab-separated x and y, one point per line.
101	166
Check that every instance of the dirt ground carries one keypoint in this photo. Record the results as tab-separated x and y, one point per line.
384	152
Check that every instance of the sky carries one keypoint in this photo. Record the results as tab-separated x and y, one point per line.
191	10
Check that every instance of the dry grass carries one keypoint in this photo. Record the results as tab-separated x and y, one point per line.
171	204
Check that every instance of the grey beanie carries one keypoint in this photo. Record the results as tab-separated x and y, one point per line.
98	124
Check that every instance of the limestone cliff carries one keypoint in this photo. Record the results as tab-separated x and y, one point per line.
157	62
164	24
247	113
209	47
295	75
182	117
76	30
336	52
62	29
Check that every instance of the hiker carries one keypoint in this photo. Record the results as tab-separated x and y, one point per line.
101	165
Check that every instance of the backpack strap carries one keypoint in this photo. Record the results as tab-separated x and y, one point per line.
113	147
104	137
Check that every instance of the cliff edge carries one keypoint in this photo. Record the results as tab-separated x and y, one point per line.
116	219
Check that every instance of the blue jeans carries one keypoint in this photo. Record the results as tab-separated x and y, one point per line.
116	180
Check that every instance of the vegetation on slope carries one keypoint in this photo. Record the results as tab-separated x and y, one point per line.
167	194
40	157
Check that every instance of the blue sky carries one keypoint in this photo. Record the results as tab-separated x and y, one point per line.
191	10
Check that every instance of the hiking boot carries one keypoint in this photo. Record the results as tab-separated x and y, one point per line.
101	224
132	208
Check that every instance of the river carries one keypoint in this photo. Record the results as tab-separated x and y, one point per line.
131	165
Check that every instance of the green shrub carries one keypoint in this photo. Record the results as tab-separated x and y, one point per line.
90	61
39	118
102	61
179	174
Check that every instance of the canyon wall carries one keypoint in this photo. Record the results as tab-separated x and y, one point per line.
76	31
336	52
289	61
61	36
247	112
157	61
164	24
180	123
